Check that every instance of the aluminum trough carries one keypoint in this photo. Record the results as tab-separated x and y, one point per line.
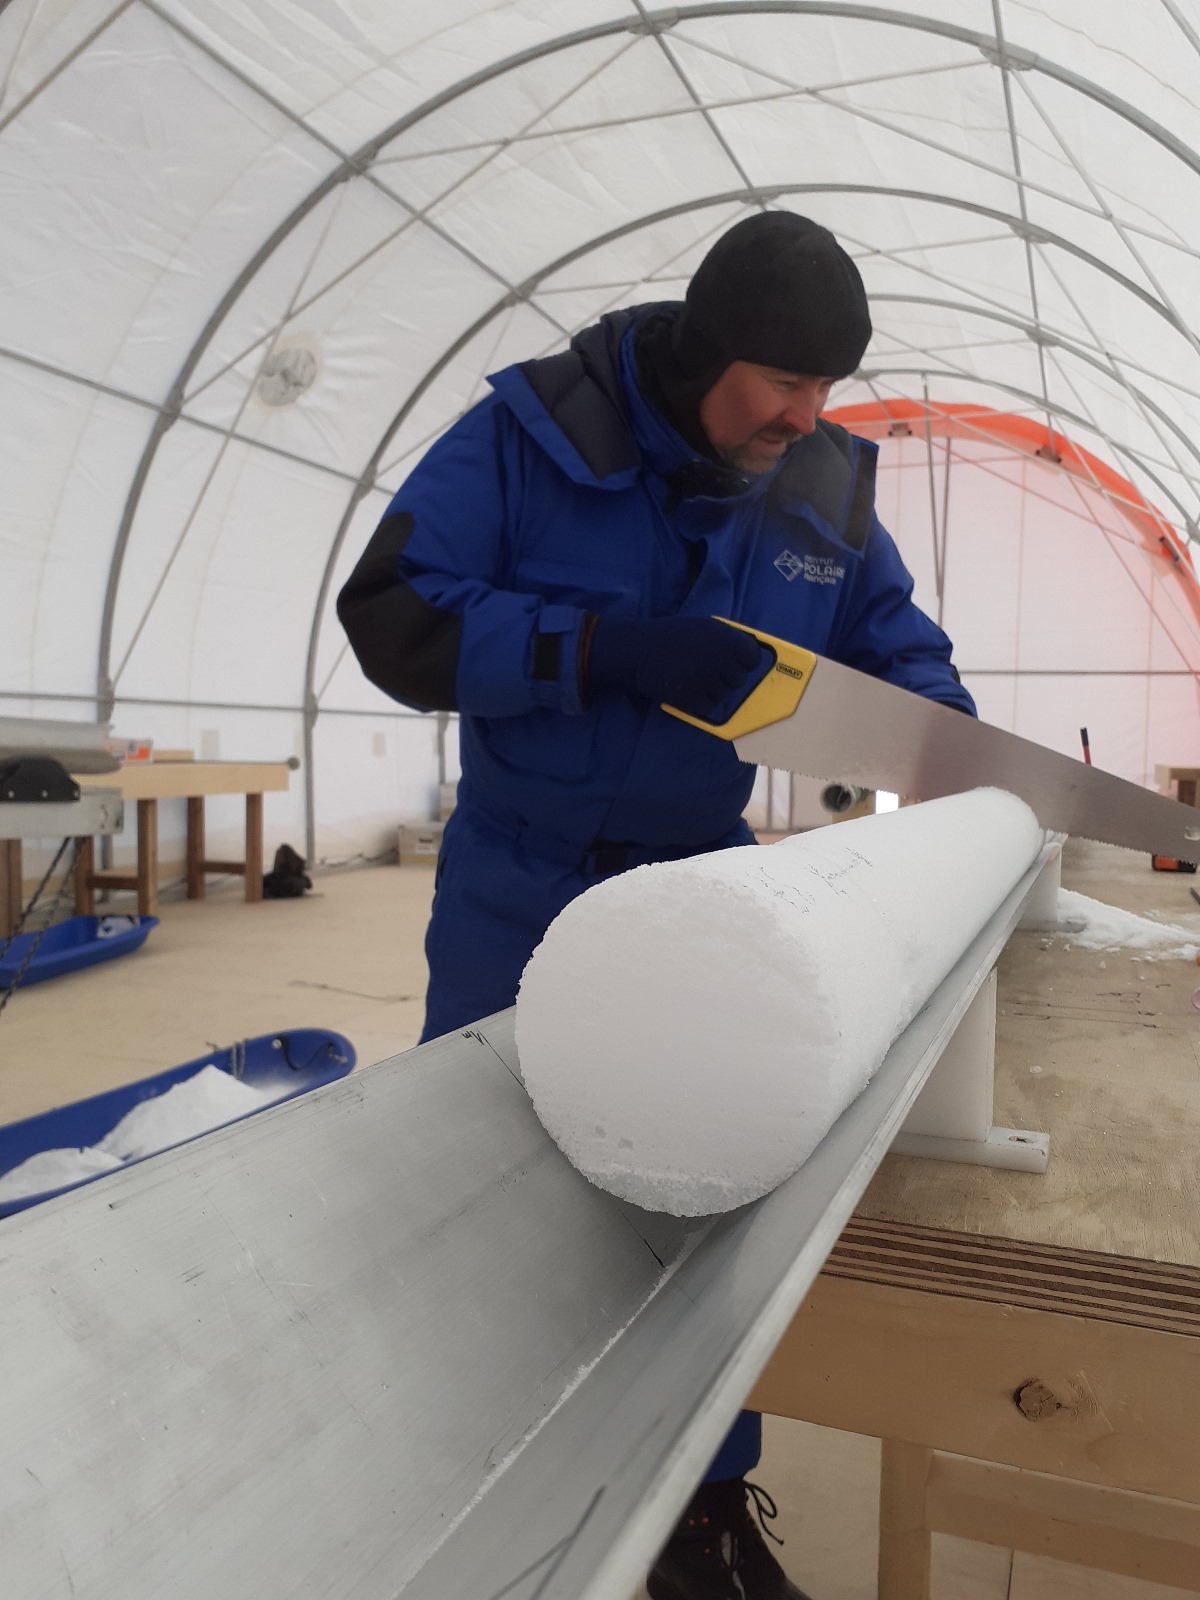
383	1340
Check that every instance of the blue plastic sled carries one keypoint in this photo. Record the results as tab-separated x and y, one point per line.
296	1061
77	942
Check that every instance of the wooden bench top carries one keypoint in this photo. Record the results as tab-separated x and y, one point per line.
179	780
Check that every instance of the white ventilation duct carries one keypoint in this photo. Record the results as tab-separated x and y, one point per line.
255	259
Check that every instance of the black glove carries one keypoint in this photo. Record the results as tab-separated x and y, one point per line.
693	663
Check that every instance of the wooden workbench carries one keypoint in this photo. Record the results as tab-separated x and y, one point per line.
149	782
1028	1347
1179	782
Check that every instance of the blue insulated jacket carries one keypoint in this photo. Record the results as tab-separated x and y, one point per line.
565	492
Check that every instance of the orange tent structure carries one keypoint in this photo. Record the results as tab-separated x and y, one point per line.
1072	598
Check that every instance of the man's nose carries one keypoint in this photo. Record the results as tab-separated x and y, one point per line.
802	413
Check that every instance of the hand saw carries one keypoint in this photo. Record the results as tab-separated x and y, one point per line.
814	716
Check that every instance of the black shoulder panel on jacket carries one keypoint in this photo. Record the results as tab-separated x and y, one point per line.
405	646
862	502
581	389
819	469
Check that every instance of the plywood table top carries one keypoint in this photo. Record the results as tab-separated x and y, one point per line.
179	780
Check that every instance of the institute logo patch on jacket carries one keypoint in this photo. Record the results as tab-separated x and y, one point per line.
813	569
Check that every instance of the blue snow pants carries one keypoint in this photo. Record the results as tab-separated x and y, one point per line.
497	892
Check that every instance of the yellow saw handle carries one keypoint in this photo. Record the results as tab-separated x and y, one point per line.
774	697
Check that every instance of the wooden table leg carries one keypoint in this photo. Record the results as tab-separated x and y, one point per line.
905	1546
147	858
11	886
196	880
85	890
254	846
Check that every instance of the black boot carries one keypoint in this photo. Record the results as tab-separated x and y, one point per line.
717	1552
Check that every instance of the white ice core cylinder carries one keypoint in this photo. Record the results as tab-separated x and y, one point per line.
690	1031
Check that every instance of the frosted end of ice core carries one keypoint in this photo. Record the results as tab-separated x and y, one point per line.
690	1031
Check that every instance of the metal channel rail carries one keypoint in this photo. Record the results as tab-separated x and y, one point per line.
385	1341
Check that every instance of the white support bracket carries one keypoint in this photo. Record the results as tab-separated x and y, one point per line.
1041	909
951	1119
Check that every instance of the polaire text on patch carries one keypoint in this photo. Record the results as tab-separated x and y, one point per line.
814	569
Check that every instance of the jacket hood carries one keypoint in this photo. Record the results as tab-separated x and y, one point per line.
574	403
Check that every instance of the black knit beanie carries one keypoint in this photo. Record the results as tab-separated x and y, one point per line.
777	290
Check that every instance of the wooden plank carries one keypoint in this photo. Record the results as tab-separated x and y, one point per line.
111	879
85	866
178	780
1147	1294
1075	1396
905	1546
1166	778
196	885
254	847
1110	1530
234	867
11	886
147	857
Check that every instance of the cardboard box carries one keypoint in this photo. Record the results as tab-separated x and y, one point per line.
419	843
131	751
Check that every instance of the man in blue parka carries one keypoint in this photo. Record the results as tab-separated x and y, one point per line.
552	571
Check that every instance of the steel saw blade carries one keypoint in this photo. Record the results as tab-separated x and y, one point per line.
855	729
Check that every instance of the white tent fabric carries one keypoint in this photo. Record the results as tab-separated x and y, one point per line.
1079	630
256	257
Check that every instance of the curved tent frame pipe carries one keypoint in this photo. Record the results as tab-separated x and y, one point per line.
1156	446
359	163
1077	352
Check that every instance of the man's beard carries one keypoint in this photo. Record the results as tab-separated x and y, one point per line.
742	457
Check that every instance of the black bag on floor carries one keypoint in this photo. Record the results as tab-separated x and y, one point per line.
288	878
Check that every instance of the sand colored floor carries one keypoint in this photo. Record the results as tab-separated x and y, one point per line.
348	956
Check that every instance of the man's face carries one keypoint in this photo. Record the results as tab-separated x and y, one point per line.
752	414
